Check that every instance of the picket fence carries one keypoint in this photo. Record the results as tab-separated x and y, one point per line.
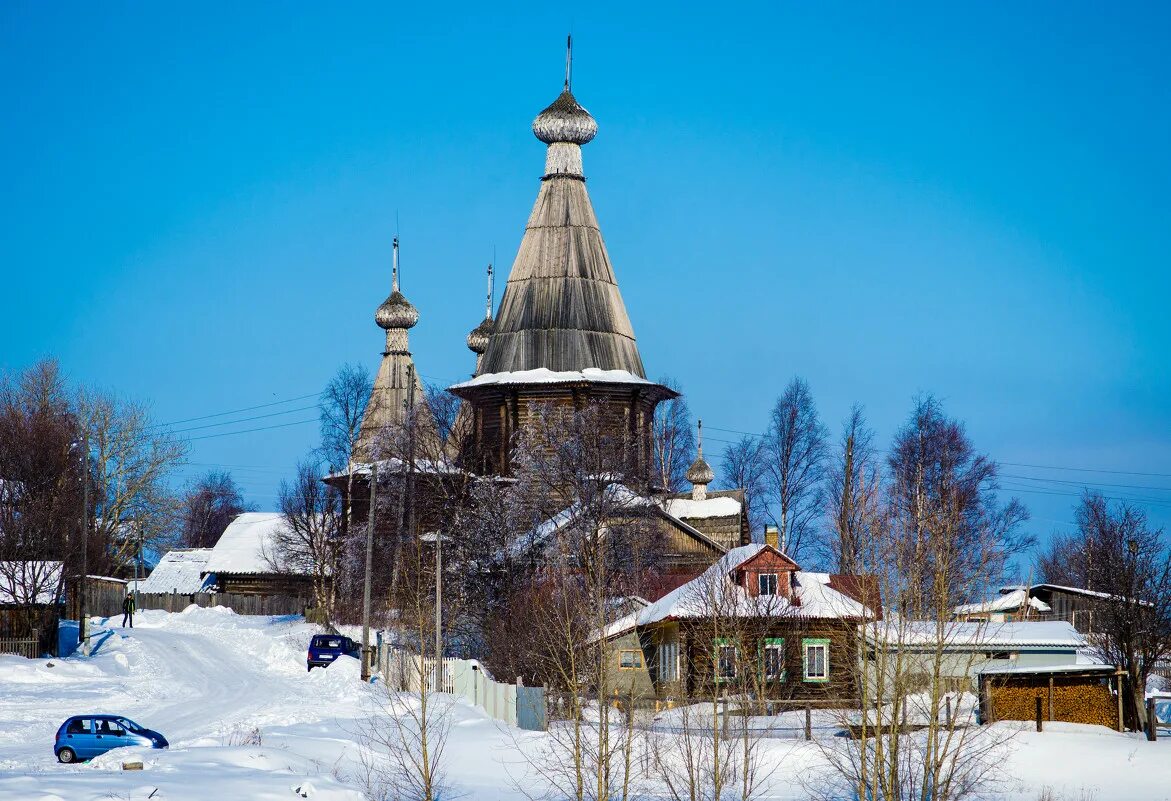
515	704
28	647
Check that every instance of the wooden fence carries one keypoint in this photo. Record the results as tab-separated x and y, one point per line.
107	602
28	647
512	703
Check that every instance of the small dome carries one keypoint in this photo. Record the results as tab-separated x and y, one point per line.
478	338
396	312
700	472
565	121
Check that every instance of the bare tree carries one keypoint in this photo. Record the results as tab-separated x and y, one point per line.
309	541
915	734
207	506
674	440
743	467
933	462
1130	563
444	408
597	537
852	493
795	448
343	403
132	462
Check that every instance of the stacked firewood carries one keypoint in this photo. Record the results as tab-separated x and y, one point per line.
1072	702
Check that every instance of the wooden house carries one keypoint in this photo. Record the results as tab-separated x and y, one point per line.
244	560
752	623
1041	602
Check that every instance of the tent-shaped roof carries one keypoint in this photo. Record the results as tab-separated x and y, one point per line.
561	308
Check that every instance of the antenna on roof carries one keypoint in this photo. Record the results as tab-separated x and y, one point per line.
394	268
568	62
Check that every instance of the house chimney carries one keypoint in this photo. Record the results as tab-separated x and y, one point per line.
772	536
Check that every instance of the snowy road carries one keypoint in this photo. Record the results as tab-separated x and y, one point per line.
206	679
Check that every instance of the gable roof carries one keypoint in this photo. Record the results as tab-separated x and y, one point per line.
1008	602
815	598
625	497
246	545
974	636
181	571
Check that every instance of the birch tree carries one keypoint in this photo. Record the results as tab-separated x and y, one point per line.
795	458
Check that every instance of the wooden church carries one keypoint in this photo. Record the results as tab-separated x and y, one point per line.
562	337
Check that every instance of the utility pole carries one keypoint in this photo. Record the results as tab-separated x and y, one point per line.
84	534
438	611
369	563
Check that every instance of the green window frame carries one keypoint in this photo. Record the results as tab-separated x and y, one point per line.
718	646
815	643
777	644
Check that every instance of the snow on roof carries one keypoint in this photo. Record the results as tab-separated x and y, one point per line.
1059	587
1072	668
928	633
180	571
543	375
19	580
816	599
1007	602
708	507
395	465
245	546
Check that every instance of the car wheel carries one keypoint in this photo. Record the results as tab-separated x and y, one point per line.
66	755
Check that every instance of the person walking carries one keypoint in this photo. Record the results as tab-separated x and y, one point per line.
128	610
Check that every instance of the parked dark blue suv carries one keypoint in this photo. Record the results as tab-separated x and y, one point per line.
325	648
88	736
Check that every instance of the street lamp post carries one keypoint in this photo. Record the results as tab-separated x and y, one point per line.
84	535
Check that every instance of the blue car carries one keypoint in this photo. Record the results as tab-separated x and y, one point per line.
324	649
88	736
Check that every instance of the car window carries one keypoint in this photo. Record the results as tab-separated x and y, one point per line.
128	725
78	726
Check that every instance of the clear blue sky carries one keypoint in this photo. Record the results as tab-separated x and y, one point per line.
198	206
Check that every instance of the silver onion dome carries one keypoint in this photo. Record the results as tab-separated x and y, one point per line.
565	121
478	338
700	472
396	312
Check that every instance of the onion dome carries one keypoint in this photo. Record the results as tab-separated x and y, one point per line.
700	472
396	312
565	121
478	338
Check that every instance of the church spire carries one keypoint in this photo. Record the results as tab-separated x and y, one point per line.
561	308
396	374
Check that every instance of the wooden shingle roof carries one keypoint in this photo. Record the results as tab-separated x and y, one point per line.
561	308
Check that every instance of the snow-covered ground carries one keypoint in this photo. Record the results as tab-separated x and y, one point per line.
246	721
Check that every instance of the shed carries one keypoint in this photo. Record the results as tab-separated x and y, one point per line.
244	560
32	598
1071	693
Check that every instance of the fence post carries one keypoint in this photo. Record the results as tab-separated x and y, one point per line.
1038	713
1152	722
948	718
808	721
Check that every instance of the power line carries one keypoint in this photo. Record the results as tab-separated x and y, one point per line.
236	411
245	419
264	428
